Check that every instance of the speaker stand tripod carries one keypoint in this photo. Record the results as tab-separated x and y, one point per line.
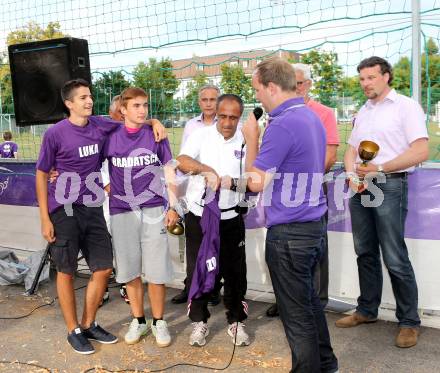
44	260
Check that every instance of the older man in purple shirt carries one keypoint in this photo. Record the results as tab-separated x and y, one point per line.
290	165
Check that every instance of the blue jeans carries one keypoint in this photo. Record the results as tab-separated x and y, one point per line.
384	226
292	253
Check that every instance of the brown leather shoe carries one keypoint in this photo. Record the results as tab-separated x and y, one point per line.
407	337
353	320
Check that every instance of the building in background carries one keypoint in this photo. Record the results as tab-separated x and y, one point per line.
186	69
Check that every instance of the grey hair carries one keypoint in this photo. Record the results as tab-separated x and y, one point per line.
115	102
209	86
305	69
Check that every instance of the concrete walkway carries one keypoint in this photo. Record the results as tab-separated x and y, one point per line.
41	339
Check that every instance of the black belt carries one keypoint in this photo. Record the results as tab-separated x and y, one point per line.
396	175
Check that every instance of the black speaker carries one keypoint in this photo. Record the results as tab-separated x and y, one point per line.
39	70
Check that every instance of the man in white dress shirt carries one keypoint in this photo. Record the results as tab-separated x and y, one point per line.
208	95
214	155
397	124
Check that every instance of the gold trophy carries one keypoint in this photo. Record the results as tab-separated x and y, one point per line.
367	151
177	229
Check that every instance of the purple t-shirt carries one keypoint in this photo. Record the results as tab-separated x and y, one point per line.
293	147
76	153
8	149
135	166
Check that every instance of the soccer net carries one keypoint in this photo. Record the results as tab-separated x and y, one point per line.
171	48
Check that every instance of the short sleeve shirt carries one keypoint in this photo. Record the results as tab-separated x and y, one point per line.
209	147
136	169
193	125
293	149
328	119
393	124
76	153
8	149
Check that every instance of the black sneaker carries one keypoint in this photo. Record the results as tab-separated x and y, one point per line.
98	334
182	297
79	342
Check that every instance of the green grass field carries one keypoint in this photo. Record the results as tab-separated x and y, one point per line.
29	144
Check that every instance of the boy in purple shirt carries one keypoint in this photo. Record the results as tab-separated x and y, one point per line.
71	209
8	149
291	159
137	216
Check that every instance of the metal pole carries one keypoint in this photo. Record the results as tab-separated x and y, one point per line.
416	52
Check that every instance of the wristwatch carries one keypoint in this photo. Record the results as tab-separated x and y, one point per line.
234	184
379	168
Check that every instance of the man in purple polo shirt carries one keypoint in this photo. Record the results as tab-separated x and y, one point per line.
71	209
326	114
138	219
290	165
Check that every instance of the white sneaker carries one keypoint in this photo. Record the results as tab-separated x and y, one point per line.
135	332
199	334
160	331
238	333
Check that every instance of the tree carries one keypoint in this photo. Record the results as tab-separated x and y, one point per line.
431	48
31	32
158	80
235	81
327	75
402	76
430	76
34	32
190	104
108	85
352	88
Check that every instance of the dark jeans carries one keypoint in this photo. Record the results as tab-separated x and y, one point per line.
232	267
292	252
321	275
384	226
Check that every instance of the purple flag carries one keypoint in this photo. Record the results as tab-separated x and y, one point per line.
207	264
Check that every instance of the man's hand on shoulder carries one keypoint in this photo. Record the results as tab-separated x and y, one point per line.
159	130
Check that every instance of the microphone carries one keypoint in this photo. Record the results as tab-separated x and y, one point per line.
258	112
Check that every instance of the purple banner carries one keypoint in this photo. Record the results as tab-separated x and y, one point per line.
423	220
17	184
